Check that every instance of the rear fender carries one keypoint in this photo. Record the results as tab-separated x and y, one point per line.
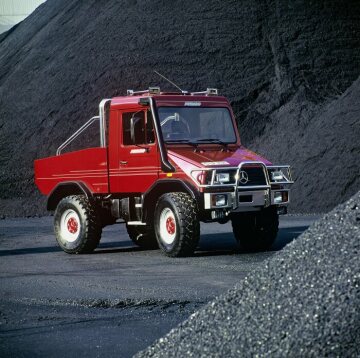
65	189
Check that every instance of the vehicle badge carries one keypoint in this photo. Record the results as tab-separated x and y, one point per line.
243	177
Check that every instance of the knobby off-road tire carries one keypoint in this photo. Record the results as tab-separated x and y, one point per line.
176	224
143	236
256	231
77	226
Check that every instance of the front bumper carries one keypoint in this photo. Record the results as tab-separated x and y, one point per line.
232	196
249	200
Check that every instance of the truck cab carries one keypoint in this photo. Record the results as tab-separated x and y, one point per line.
163	163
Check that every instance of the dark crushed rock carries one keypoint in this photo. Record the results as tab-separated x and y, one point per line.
304	302
280	64
114	303
323	147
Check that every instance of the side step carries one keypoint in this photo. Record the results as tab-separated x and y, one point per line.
135	223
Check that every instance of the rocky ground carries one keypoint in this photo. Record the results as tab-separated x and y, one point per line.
116	301
304	301
287	68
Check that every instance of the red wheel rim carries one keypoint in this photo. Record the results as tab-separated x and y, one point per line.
170	225
72	225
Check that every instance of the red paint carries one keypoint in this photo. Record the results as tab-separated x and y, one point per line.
72	225
88	166
170	225
214	153
130	170
123	168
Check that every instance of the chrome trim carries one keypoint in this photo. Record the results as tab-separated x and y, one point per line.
232	184
102	115
236	204
130	92
208	202
136	223
151	90
76	134
263	194
259	198
156	90
208	92
238	169
290	181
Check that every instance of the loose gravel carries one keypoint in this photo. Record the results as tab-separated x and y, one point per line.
304	302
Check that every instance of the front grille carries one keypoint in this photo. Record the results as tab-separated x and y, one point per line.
255	176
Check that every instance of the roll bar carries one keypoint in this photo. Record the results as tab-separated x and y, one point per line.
102	123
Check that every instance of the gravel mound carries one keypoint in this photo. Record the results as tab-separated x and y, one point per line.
322	145
280	66
304	302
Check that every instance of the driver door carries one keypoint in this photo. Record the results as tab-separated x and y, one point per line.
138	163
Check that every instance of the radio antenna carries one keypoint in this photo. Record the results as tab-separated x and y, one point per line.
174	84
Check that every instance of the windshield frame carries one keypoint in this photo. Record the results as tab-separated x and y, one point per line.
210	141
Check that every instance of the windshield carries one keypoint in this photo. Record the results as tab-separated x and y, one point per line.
196	125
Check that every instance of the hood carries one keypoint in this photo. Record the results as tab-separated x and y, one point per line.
212	157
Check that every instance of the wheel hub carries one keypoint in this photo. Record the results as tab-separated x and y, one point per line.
167	226
72	225
170	225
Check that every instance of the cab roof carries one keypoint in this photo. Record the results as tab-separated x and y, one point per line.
172	99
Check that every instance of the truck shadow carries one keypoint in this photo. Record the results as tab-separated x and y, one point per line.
30	250
117	246
225	243
210	245
107	247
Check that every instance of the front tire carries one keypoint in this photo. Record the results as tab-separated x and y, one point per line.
76	225
256	231
176	224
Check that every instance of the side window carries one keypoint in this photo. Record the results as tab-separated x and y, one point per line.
142	133
135	120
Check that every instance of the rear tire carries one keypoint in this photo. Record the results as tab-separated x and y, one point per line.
143	236
256	231
76	225
176	224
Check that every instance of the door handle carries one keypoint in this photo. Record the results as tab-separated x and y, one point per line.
123	162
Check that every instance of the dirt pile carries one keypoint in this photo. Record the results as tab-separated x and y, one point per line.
278	63
303	302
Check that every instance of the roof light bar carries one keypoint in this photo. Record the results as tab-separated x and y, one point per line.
208	92
212	91
151	90
156	91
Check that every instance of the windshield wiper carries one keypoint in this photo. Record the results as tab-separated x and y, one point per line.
180	141
177	141
213	140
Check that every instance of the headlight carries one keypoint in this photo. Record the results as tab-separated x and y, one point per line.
280	174
277	175
222	177
278	197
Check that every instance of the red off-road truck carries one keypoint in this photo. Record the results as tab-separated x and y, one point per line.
164	162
